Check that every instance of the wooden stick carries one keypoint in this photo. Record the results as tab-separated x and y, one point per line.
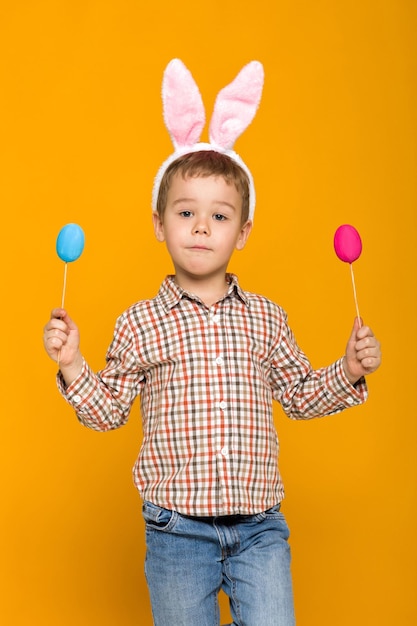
64	288
354	295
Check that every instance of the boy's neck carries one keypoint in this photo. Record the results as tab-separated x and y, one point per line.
209	290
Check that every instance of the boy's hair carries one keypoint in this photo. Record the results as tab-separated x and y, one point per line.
205	163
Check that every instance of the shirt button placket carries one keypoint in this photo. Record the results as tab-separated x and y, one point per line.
221	449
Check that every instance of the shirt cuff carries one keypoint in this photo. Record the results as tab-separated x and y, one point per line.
339	386
72	393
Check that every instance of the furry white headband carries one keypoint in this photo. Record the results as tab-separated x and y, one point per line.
184	116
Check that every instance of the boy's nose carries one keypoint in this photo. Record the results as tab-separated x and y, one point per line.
201	228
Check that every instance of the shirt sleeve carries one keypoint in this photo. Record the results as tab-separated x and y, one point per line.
305	393
103	401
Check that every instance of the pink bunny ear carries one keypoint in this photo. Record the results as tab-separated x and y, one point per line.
236	105
183	106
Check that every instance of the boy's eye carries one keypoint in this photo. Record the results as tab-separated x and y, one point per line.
185	213
219	217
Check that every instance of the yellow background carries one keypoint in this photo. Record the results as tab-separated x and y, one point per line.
334	141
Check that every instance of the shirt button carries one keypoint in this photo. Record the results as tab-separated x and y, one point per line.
350	400
219	360
222	405
225	451
77	399
216	318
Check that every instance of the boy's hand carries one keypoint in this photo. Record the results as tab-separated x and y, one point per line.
61	339
363	353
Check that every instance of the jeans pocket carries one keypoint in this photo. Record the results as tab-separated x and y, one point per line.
272	513
158	518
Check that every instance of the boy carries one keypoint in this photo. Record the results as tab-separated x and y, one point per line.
207	359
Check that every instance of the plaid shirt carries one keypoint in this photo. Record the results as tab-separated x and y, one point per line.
207	377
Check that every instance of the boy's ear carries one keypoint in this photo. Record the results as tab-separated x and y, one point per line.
243	235
158	227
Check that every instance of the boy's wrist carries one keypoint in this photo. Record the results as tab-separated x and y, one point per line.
351	378
71	372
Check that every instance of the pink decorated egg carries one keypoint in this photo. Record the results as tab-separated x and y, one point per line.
347	243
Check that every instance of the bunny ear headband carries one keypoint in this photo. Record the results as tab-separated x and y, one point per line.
184	116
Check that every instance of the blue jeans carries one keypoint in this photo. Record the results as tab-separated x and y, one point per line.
189	559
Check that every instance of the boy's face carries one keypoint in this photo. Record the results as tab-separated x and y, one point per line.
201	226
